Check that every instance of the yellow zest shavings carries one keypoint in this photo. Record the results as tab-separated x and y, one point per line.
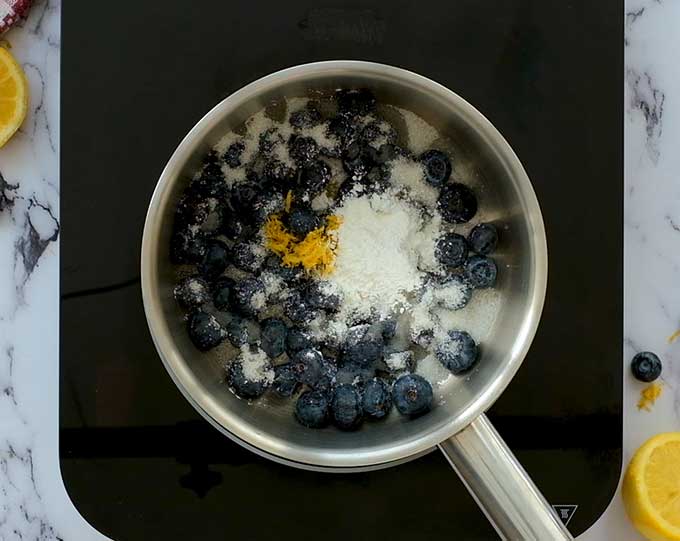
316	252
649	395
673	337
288	201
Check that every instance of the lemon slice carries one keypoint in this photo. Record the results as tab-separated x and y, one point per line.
13	96
651	488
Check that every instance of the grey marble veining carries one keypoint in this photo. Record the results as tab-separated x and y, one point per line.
33	501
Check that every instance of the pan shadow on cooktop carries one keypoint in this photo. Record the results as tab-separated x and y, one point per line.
137	460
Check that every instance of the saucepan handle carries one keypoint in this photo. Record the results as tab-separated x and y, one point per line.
501	487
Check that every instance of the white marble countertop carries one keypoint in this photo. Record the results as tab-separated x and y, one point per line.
33	501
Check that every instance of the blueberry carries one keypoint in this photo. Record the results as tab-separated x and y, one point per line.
243	198
315	177
192	292
483	238
457	203
285	382
274	332
311	409
364	354
302	221
221	293
305	118
204	214
356	161
319	299
346	407
288	274
303	150
437	167
237	331
384	153
246	256
236	228
215	260
186	247
269	139
387	328
646	366
205	331
481	271
241	385
412	395
248	296
376	180
298	309
355	102
297	340
328	377
210	183
458	352
377	399
451	249
343	129
232	156
278	174
308	365
455	293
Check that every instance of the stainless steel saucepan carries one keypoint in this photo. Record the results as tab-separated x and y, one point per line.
457	425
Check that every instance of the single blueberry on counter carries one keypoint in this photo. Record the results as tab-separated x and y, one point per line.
377	399
346	407
646	366
437	167
481	271
311	409
412	395
205	331
458	352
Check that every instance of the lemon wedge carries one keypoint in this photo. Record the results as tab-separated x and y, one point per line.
651	488
13	96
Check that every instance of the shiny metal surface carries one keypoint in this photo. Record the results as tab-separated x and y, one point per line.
500	486
267	427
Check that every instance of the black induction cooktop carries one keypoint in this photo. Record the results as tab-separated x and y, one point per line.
137	460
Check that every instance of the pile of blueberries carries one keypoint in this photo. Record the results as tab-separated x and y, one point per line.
215	231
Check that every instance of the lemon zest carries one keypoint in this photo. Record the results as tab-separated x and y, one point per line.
288	201
649	395
673	337
316	252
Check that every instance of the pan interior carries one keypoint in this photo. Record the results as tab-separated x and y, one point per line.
506	199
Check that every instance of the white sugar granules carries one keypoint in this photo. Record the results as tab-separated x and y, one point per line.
433	371
420	134
256	365
375	268
410	175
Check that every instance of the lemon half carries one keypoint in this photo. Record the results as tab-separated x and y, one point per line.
13	96
651	488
